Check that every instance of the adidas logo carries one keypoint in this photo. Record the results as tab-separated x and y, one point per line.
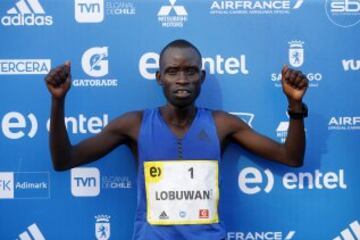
203	136
351	233
163	215
34	231
179	10
26	13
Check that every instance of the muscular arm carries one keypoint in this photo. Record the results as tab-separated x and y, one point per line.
291	153
65	155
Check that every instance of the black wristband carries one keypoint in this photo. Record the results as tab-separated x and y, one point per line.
299	115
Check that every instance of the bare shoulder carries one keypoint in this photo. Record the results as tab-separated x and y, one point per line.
227	124
127	124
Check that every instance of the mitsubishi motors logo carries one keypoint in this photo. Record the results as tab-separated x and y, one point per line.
26	13
172	15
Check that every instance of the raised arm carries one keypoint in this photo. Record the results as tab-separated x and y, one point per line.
64	155
291	153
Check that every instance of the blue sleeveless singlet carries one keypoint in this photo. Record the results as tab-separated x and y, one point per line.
157	142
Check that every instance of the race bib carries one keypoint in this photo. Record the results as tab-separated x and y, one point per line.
181	192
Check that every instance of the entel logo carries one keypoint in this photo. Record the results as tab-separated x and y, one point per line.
149	63
14	125
251	176
251	180
85	182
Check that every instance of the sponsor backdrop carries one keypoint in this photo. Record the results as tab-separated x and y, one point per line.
113	46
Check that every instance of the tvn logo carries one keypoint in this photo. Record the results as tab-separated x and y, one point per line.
33	232
89	11
27	13
351	233
85	182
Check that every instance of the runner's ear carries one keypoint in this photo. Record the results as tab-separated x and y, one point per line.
158	78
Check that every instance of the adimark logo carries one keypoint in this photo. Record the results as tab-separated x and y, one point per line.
254	7
149	63
343	13
296	57
351	65
172	15
24	185
350	233
95	64
27	13
32	232
252	180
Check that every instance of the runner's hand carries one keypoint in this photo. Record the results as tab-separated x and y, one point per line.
58	80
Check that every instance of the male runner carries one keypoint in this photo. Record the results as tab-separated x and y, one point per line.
178	146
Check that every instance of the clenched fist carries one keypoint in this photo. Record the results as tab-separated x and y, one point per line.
294	84
58	80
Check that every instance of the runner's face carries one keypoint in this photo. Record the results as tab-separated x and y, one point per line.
180	76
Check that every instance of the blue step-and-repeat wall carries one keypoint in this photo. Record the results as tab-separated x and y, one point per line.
113	46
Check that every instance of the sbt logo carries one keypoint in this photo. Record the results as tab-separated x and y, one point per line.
89	11
15	125
26	12
251	180
149	63
84	125
85	182
345	6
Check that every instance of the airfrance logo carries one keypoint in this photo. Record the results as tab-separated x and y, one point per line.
252	180
254	7
95	64
149	63
27	13
85	182
33	232
296	59
24	185
172	15
351	233
343	123
343	13
15	125
89	11
351	65
24	66
102	227
260	235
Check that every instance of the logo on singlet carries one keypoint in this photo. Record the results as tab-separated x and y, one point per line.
163	215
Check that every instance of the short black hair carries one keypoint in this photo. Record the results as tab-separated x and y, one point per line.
179	43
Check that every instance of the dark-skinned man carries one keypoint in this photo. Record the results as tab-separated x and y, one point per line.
178	146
